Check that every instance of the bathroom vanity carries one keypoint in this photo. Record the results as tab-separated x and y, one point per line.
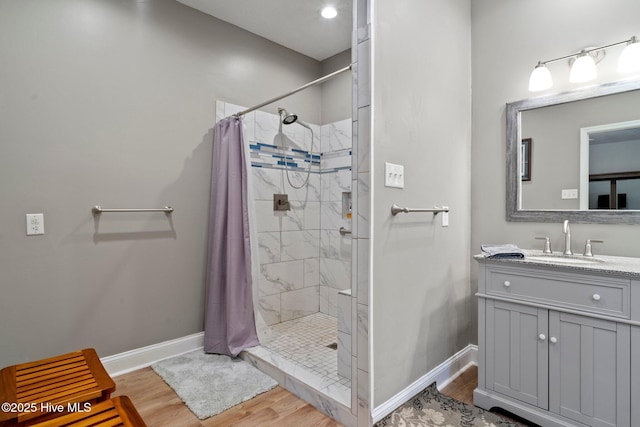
559	339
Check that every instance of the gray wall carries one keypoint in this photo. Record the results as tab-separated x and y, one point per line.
421	119
336	93
112	103
508	38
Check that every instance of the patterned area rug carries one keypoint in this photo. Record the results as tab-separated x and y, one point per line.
211	383
429	408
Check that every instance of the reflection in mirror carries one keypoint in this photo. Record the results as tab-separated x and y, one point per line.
610	166
568	174
555	129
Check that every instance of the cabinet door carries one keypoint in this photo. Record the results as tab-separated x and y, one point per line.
516	352
589	362
635	375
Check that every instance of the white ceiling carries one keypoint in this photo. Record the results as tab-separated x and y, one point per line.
296	24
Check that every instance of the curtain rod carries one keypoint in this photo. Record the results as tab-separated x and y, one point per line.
308	85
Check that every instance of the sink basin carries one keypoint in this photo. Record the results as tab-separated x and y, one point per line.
564	259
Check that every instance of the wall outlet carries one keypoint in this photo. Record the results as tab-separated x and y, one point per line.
393	175
571	193
35	224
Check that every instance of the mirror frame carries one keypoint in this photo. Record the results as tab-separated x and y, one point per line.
514	110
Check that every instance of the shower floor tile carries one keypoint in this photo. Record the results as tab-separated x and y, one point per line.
305	342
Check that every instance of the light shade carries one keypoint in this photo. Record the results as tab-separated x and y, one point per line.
540	78
630	58
329	12
583	69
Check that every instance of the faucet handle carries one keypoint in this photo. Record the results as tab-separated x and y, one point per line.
587	246
547	245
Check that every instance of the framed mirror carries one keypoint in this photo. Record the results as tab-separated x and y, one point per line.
575	155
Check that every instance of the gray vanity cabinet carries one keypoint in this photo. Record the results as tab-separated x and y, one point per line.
554	347
589	363
517	361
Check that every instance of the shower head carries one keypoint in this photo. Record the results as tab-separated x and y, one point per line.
286	117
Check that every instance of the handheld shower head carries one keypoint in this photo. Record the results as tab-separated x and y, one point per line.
286	117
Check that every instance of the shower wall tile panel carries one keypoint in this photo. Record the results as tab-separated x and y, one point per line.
299	303
269	307
344	313
364	90
310	192
269	247
266	183
363	205
266	128
364	130
344	354
311	272
328	300
281	277
335	250
337	136
362	283
335	273
299	244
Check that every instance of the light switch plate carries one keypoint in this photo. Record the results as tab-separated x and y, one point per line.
571	193
35	224
393	175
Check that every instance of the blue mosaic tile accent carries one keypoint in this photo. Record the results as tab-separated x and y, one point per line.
272	157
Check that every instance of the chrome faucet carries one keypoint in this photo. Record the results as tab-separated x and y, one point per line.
567	238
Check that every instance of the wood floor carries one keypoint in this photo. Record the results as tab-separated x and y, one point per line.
159	406
462	387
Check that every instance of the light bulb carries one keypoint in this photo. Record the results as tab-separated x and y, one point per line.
540	78
329	12
583	69
630	57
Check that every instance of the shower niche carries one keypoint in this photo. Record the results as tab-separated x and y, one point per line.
304	260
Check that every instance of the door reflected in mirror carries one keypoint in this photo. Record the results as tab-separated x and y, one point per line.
610	166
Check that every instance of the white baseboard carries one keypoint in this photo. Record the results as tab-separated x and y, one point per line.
139	358
442	374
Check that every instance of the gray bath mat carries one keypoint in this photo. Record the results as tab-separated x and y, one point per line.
210	383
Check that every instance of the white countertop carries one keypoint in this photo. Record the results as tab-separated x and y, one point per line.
625	266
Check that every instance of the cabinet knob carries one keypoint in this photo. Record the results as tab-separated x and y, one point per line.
596	297
507	283
542	337
553	340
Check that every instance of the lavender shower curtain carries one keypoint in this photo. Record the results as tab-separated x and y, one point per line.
229	318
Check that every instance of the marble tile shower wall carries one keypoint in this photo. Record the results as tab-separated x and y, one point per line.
304	261
335	249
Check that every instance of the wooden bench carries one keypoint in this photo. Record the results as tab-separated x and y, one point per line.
37	389
118	411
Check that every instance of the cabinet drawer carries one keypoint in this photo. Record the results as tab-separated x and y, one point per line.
604	295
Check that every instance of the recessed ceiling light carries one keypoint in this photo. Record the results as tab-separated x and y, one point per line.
329	12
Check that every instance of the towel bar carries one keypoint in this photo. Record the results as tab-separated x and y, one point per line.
395	210
98	210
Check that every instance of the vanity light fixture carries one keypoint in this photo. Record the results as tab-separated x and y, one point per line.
630	57
583	64
583	68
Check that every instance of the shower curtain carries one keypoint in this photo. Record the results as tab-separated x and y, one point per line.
229	318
